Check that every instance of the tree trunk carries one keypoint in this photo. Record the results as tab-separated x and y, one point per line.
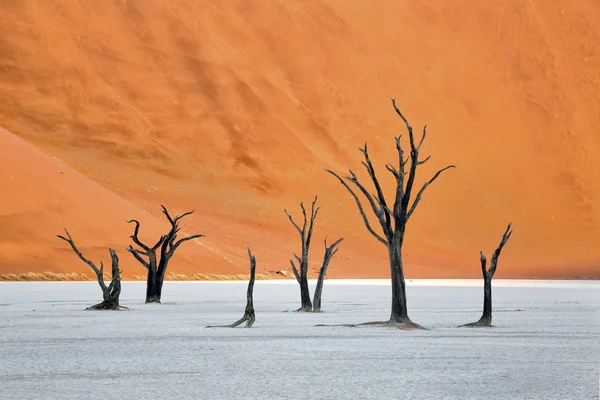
486	317
306	304
319	290
399	313
249	316
330	251
488	275
153	287
111	293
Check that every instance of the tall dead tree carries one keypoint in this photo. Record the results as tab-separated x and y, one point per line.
301	273
393	217
110	293
156	264
488	274
249	316
329	253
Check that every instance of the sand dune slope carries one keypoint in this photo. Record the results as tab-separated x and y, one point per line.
41	195
234	108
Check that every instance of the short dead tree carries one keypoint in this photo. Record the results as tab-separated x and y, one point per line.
329	253
301	272
156	264
393	217
488	274
111	292
249	316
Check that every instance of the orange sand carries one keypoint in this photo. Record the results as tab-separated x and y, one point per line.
234	109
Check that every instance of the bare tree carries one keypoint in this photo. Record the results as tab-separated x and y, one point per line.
329	253
306	236
393	218
111	292
249	315
166	245
488	274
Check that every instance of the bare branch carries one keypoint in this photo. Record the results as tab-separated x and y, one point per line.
304	217
422	137
185	239
379	211
69	240
400	175
429	182
483	263
408	127
360	208
297	258
381	198
424	161
313	216
496	255
134	236
393	170
294	223
180	217
331	250
296	274
137	254
166	212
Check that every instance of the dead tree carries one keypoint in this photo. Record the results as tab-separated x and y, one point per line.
301	273
249	315
393	217
488	274
329	253
157	264
111	292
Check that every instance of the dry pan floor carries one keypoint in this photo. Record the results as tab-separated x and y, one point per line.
545	344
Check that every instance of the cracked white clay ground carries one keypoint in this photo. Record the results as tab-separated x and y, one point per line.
545	343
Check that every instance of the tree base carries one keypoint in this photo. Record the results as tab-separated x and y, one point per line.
107	305
248	317
157	301
408	326
304	309
478	324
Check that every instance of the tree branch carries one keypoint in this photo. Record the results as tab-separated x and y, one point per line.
293	222
400	175
496	255
136	253
408	127
378	211
137	241
483	263
296	274
360	208
381	198
68	239
313	216
331	250
429	182
185	239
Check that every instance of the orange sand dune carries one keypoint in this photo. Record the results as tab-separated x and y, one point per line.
234	108
44	195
